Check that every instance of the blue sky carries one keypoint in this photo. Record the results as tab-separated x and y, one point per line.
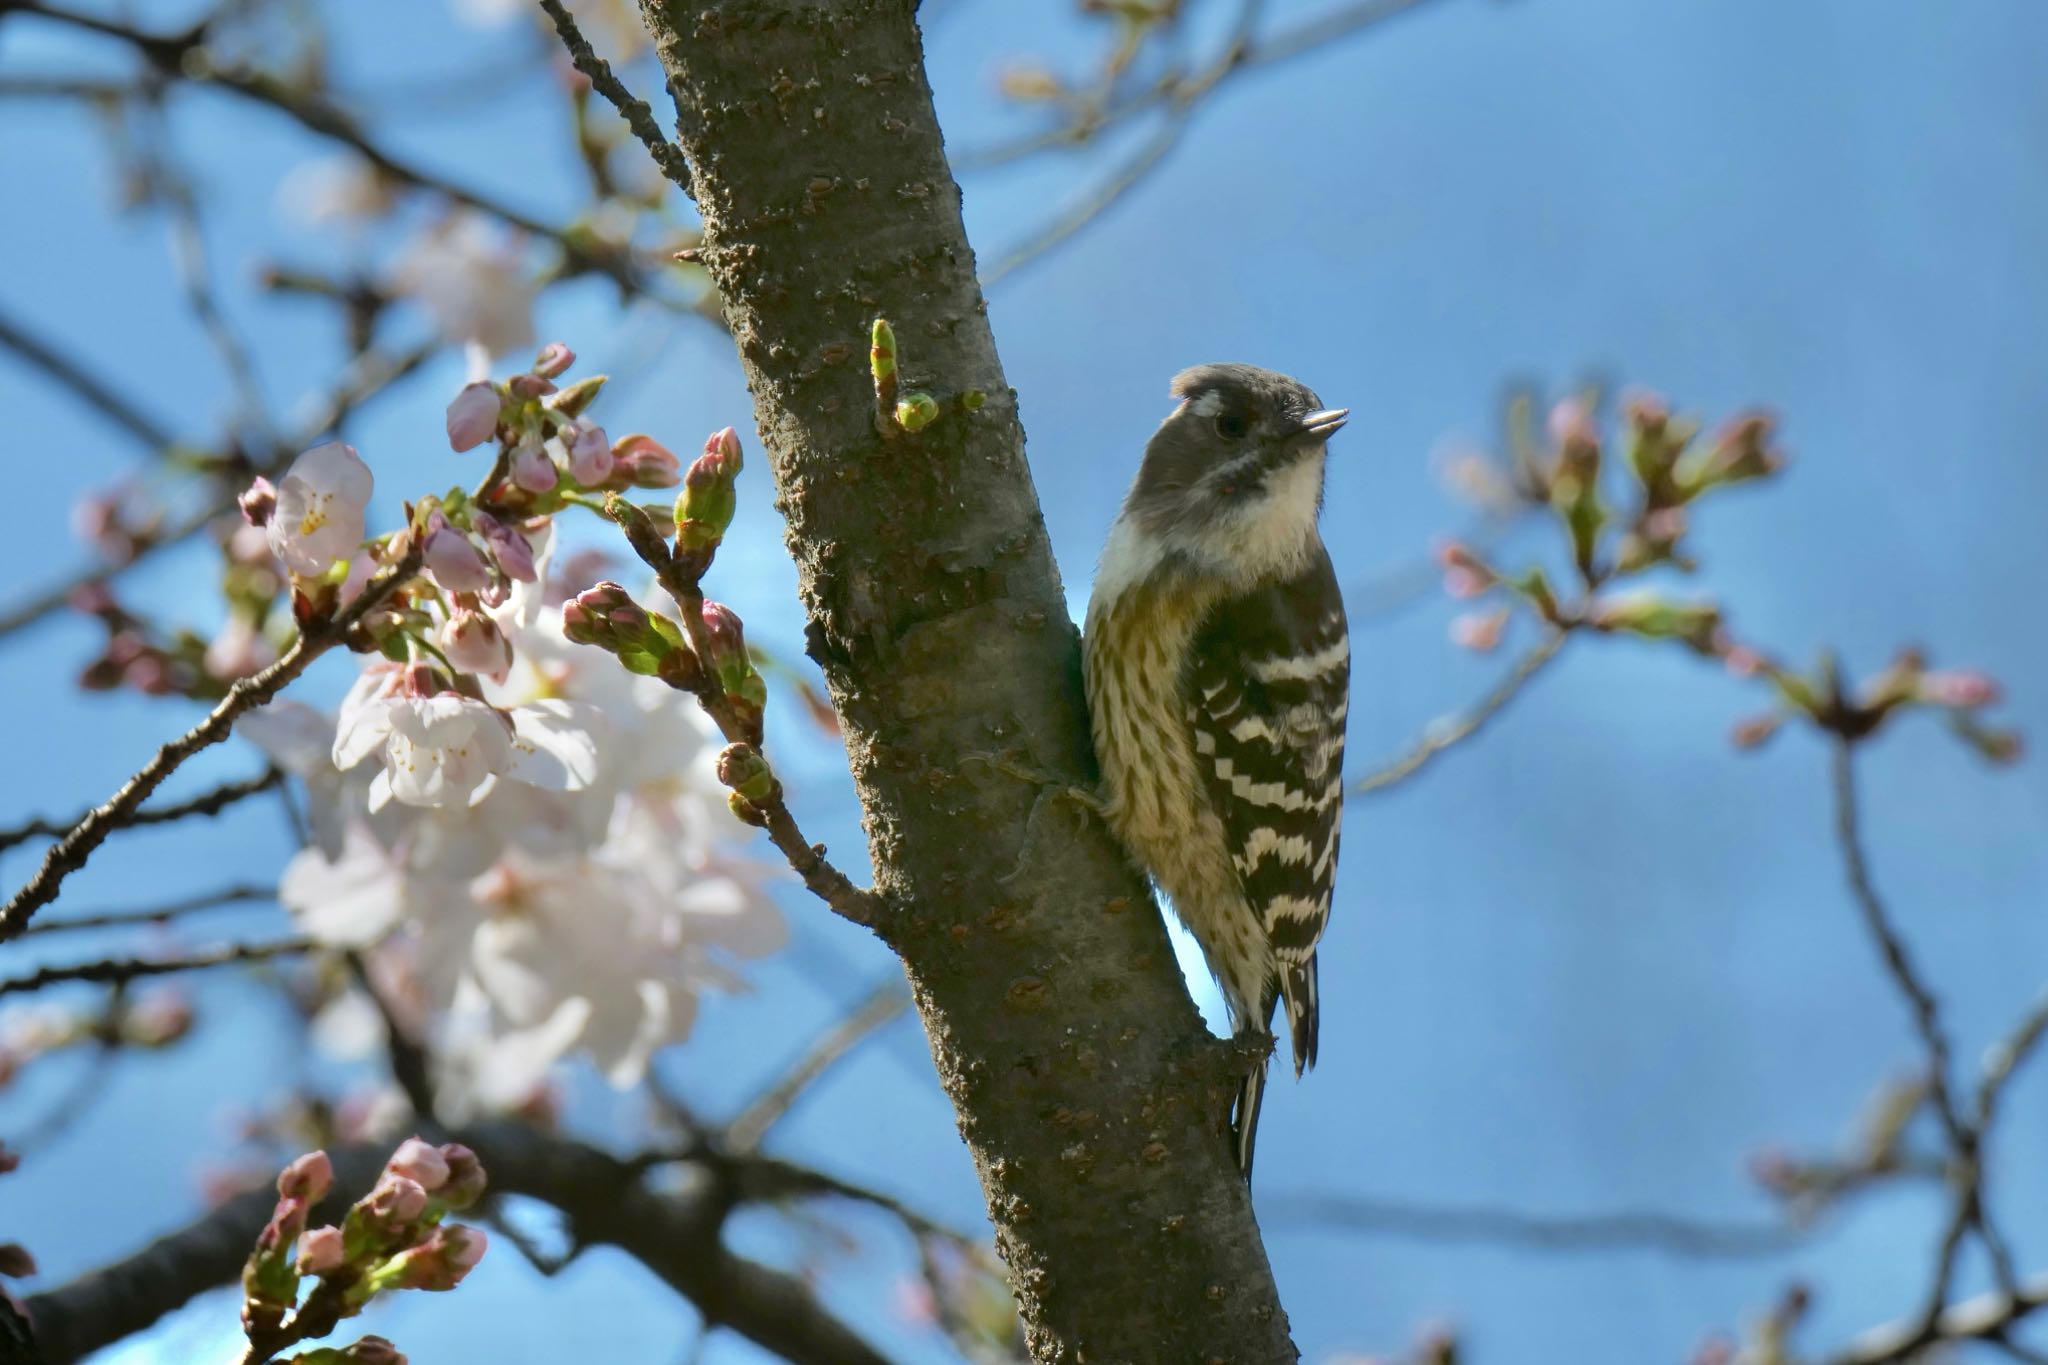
1594	961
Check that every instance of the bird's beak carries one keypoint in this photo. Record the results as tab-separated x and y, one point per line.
1320	425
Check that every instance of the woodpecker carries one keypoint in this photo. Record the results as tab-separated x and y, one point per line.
1217	666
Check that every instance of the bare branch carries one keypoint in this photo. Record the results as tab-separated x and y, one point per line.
1987	1317
70	853
1452	731
366	377
207	803
634	110
97	394
155	914
114	971
884	1004
674	1235
1672	1234
183	57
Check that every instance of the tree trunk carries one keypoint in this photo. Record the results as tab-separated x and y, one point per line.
1088	1091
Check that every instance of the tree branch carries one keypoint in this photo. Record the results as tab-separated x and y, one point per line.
70	853
154	914
675	1236
634	110
1450	732
96	394
118	971
1626	1230
207	803
885	1003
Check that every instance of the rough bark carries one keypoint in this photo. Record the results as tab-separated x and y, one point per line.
1087	1089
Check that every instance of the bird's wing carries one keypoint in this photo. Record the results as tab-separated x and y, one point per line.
1267	691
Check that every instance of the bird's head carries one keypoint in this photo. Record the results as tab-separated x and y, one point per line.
1236	469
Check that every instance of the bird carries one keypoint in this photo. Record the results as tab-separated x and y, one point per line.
1217	667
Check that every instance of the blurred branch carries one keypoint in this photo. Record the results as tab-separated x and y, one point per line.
184	57
745	1132
1967	1177
1181	90
97	395
114	971
1626	1230
207	803
1988	1318
603	1198
366	377
1448	732
638	116
70	853
155	914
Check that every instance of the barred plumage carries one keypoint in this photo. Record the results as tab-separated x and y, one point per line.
1217	670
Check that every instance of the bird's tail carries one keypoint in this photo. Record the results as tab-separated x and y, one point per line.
1244	1118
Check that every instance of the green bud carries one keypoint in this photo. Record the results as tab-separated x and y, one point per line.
973	399
882	355
916	411
571	402
742	768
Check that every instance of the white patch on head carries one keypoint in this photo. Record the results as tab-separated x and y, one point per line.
1208	405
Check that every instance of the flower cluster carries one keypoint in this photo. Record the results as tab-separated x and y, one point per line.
1669	470
392	1238
525	838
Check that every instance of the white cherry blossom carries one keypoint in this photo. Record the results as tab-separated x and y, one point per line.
320	504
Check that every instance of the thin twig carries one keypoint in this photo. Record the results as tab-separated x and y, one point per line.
805	858
634	110
745	1132
184	58
1452	731
1646	1230
69	853
1179	87
365	378
115	970
206	803
1967	1176
1987	1317
155	914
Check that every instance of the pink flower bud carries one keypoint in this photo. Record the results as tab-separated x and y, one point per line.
453	559
374	1350
474	644
159	1020
1479	630
1959	688
590	457
725	444
1751	733
396	1199
308	1178
9	1161
321	1250
533	470
578	626
508	547
466	1178
728	639
644	462
473	416
15	1261
554	359
527	386
259	502
440	1262
420	1161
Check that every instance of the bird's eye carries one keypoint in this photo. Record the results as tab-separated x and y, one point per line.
1232	426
